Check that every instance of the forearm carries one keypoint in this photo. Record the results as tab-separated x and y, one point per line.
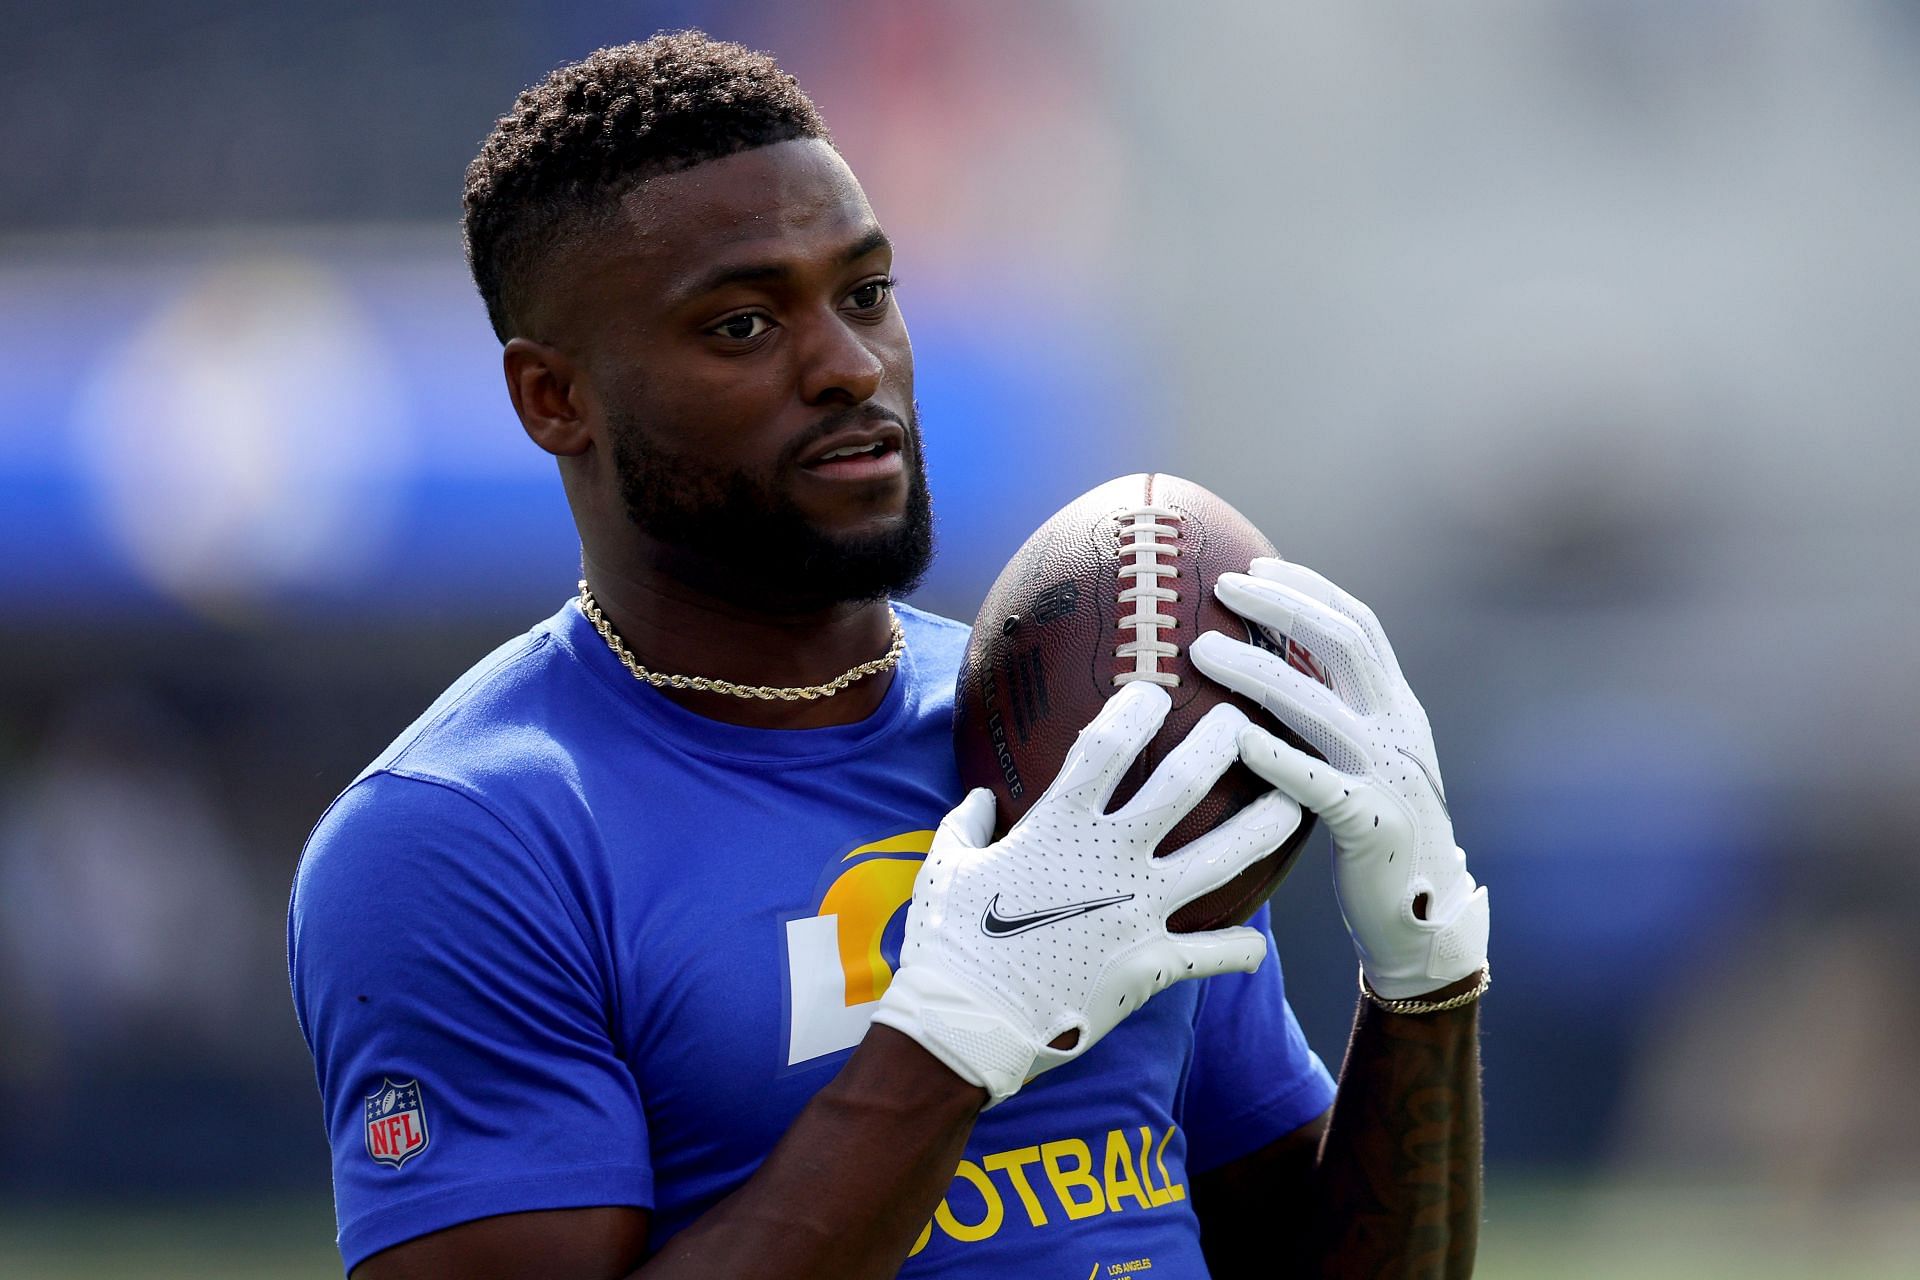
1397	1187
847	1190
1395	1190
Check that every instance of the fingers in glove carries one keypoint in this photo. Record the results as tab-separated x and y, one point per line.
1313	783
1331	636
1108	746
1299	701
1309	583
970	824
1218	951
1296	576
1210	748
1211	860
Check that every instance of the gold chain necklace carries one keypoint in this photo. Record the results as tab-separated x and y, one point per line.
590	608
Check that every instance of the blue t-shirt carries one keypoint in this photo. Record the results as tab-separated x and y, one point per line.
566	943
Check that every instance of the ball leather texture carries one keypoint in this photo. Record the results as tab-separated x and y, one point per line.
1052	637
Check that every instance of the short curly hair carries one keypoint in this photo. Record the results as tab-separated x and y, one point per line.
560	161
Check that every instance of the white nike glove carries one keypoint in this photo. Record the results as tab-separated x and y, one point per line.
1060	928
1417	919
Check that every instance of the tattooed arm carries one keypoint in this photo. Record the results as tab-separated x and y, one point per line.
1394	1187
1387	1184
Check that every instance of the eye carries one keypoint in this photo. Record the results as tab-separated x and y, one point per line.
873	295
743	327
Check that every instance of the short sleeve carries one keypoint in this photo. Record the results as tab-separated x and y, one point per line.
458	1022
1253	1078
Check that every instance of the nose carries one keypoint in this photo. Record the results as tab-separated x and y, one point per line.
839	362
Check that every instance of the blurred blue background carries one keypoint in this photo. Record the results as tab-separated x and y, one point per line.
1576	336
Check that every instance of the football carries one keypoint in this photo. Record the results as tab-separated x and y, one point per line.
1109	590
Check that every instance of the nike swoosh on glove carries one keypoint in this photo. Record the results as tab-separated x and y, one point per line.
1417	918
1058	930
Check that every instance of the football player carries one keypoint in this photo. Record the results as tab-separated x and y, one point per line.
664	942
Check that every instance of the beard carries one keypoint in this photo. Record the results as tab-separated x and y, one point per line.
734	535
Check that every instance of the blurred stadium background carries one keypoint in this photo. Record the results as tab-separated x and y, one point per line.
1578	336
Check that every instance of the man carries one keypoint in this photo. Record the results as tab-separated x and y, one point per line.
595	960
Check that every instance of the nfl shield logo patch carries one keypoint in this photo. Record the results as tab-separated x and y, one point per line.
396	1117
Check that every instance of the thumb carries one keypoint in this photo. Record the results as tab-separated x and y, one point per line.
970	825
1217	951
1313	784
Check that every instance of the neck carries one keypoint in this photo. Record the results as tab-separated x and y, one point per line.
676	630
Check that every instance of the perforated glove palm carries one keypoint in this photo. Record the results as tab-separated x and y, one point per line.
1417	918
1059	928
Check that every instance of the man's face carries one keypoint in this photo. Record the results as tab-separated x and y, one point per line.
756	381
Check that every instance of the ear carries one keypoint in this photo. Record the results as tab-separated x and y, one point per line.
547	395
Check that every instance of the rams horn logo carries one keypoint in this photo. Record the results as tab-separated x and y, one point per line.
835	969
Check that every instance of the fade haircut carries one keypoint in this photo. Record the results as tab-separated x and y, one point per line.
557	165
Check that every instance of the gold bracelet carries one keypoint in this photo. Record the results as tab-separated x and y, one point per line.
1430	1006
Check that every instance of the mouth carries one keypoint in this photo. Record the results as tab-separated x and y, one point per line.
864	453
